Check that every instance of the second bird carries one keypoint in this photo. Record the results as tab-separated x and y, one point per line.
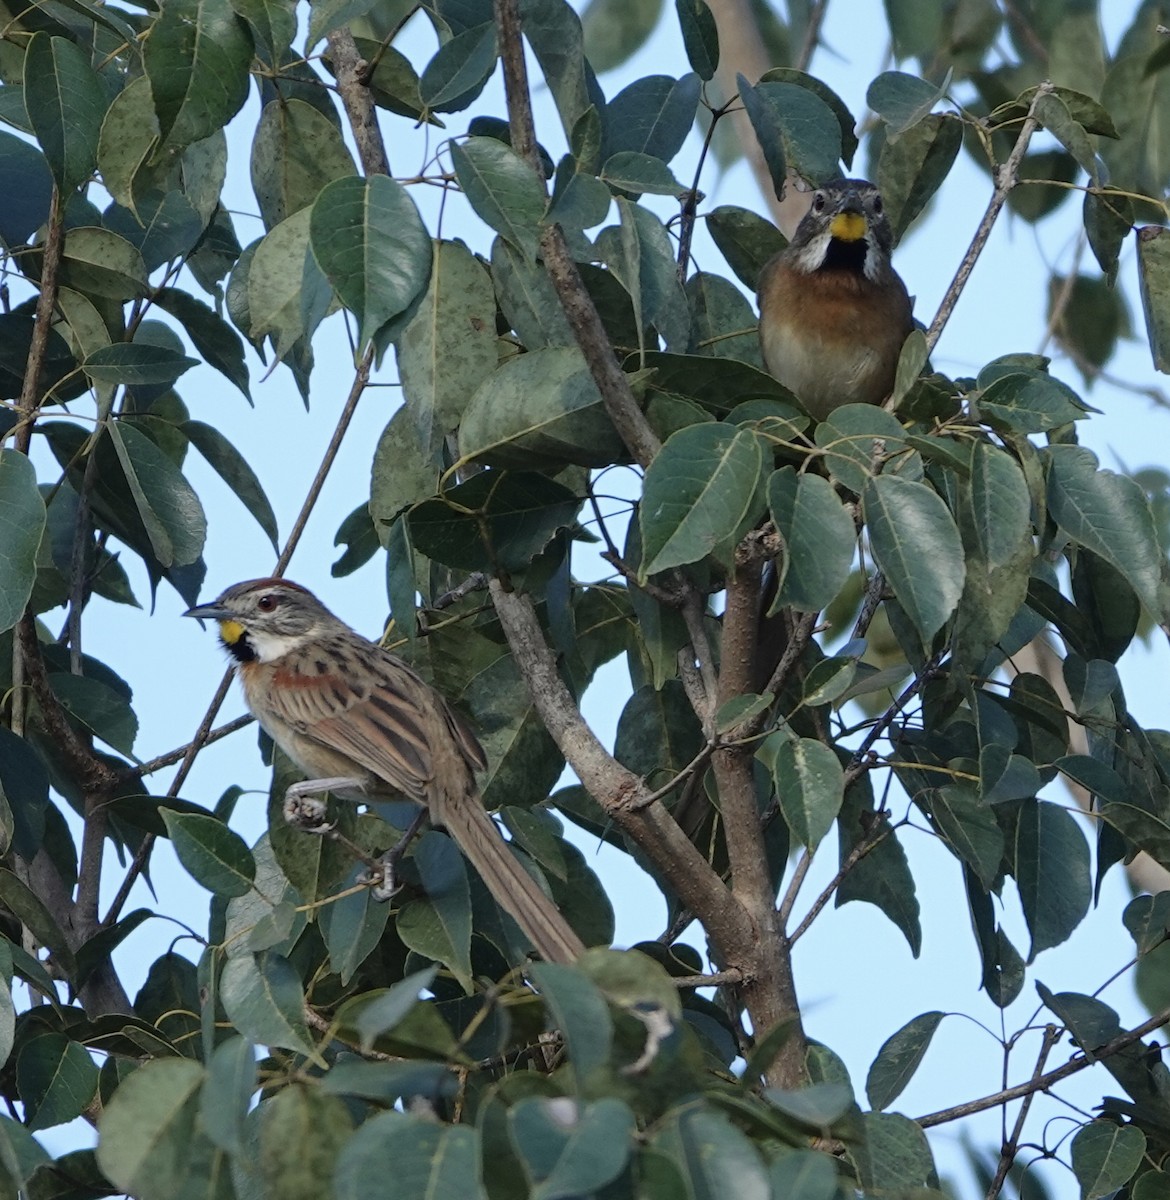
833	311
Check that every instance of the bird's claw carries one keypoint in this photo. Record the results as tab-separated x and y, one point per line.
307	813
383	878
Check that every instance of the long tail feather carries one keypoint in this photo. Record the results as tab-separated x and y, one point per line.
516	892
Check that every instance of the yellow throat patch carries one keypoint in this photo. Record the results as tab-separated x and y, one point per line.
230	632
848	227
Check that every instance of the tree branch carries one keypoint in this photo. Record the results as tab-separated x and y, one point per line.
350	71
620	793
1041	1083
1007	1154
1006	178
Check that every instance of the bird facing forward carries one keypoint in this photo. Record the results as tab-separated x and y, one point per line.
833	311
361	724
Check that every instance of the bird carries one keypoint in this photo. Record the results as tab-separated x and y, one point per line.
360	723
833	311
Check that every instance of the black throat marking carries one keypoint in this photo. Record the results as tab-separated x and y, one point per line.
845	256
241	649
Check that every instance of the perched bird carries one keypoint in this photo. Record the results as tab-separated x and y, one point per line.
833	311
361	724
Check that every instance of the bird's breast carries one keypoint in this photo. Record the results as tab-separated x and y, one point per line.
833	337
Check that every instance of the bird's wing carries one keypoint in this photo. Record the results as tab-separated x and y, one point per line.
386	718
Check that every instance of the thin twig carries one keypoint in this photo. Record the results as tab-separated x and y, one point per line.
794	885
812	34
852	859
179	753
857	763
142	857
1006	177
30	390
1042	1083
1007	1154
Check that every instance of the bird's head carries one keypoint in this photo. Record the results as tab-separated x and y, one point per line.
264	619
845	228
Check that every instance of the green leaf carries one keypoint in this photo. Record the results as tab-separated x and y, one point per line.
897	1158
425	1159
615	29
146	1128
97	262
578	1009
717	1159
213	337
1105	1156
31	911
653	116
860	440
497	520
262	997
899	1058
28	176
810	784
819	539
280	289
1052	871
1148	920
1000	504
22	522
566	1162
56	1079
197	59
302	1131
912	167
134	364
371	243
388	1009
968	824
167	504
503	191
810	129
227	1093
295	153
7	1020
846	121
1154	278
353	925
538	411
1107	514
449	347
804	1175
457	73
640	255
214	855
699	490
745	239
233	468
638	173
917	547
1026	401
439	926
66	101
700	36
103	710
902	100
882	877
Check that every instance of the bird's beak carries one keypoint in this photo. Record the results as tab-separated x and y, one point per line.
213	611
849	225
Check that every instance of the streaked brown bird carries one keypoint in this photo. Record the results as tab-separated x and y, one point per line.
361	724
833	311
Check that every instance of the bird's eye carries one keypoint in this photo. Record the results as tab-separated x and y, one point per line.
818	203
267	602
877	205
